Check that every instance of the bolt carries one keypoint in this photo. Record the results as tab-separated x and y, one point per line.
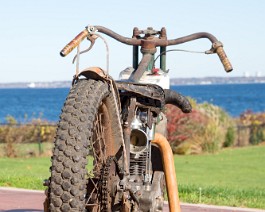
46	182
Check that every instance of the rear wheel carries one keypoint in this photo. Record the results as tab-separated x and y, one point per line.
86	131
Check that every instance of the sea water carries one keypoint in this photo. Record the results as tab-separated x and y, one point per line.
26	104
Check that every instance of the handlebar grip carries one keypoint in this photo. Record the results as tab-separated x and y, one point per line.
224	59
74	43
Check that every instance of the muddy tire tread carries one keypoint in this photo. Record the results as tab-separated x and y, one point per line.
73	137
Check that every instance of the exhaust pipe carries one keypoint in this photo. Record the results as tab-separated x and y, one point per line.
169	169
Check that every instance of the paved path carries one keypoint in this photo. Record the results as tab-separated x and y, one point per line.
21	200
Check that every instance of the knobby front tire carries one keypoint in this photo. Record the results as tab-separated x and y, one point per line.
84	132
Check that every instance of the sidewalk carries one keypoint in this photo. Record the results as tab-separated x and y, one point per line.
22	200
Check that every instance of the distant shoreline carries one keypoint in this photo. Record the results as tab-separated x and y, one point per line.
173	81
32	85
217	80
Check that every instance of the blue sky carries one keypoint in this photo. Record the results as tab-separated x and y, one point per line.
33	32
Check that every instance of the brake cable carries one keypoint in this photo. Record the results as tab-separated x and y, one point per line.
92	40
107	50
86	50
176	50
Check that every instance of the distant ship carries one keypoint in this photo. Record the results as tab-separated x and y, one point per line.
31	85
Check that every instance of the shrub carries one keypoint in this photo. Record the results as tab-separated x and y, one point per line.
36	131
230	137
254	124
207	128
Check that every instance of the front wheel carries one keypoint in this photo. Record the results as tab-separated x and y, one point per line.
86	130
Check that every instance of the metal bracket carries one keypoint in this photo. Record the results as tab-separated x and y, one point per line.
215	46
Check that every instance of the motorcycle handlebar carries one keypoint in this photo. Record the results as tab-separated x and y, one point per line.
136	40
74	43
224	59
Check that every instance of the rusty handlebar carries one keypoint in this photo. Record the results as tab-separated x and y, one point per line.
218	47
149	45
74	43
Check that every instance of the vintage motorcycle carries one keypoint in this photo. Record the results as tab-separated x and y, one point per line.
110	152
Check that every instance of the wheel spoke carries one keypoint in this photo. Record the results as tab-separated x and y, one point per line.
98	150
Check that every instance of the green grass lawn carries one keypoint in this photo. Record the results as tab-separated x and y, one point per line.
234	177
24	172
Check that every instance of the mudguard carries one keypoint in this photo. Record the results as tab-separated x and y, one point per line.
97	73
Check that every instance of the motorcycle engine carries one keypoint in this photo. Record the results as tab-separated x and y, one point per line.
146	184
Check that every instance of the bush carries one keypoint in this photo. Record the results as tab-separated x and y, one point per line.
36	131
254	124
206	129
230	137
